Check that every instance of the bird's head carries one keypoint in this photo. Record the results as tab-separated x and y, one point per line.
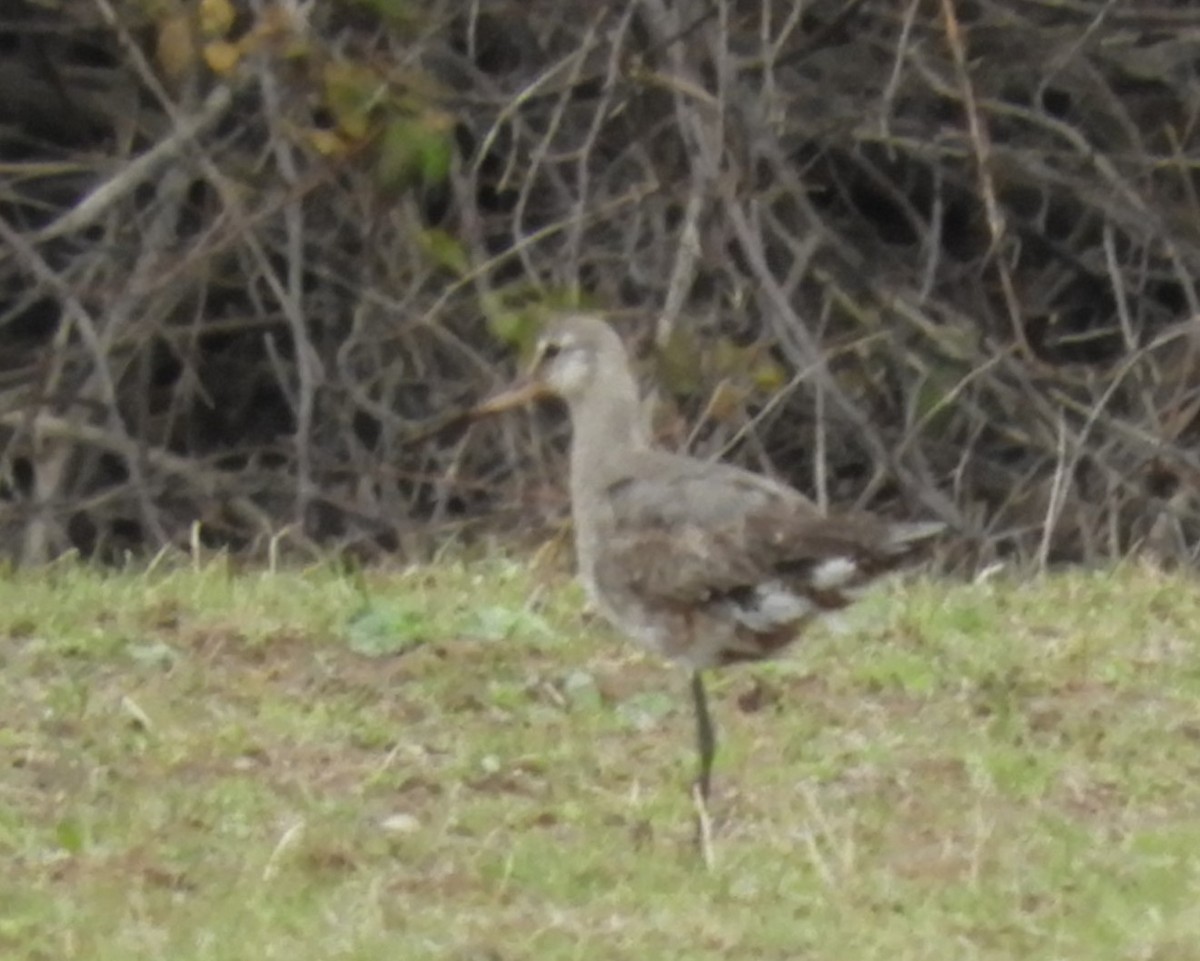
574	354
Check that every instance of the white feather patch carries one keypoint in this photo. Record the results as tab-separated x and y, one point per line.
834	572
773	607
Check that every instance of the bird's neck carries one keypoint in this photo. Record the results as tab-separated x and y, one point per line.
607	430
605	424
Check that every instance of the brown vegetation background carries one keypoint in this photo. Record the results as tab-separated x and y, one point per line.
931	257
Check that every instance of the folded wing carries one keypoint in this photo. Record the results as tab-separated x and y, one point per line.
718	538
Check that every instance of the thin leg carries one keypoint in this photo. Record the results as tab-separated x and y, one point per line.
707	742
706	739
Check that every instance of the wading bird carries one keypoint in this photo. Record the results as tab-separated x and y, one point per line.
704	563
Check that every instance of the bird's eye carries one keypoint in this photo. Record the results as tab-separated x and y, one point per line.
550	351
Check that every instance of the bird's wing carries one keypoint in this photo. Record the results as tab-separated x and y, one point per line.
685	531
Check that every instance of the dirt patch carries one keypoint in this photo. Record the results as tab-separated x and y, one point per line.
135	867
295	662
619	681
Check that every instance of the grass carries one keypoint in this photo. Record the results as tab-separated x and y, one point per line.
454	763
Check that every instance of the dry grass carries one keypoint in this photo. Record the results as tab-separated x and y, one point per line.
198	764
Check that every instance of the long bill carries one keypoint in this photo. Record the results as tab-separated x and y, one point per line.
523	392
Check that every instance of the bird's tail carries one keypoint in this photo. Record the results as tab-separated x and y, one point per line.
905	537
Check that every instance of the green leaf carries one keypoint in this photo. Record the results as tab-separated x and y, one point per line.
516	313
381	631
498	623
414	150
516	327
69	835
445	251
153	654
581	691
435	158
645	712
400	13
398	154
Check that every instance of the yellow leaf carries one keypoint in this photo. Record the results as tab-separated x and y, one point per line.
216	17
222	58
352	93
680	362
768	375
326	142
728	359
175	50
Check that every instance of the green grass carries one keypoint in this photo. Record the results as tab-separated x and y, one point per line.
455	763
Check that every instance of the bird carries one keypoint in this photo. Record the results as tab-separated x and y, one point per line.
702	562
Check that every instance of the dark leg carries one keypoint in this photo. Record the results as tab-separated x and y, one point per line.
707	742
705	737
